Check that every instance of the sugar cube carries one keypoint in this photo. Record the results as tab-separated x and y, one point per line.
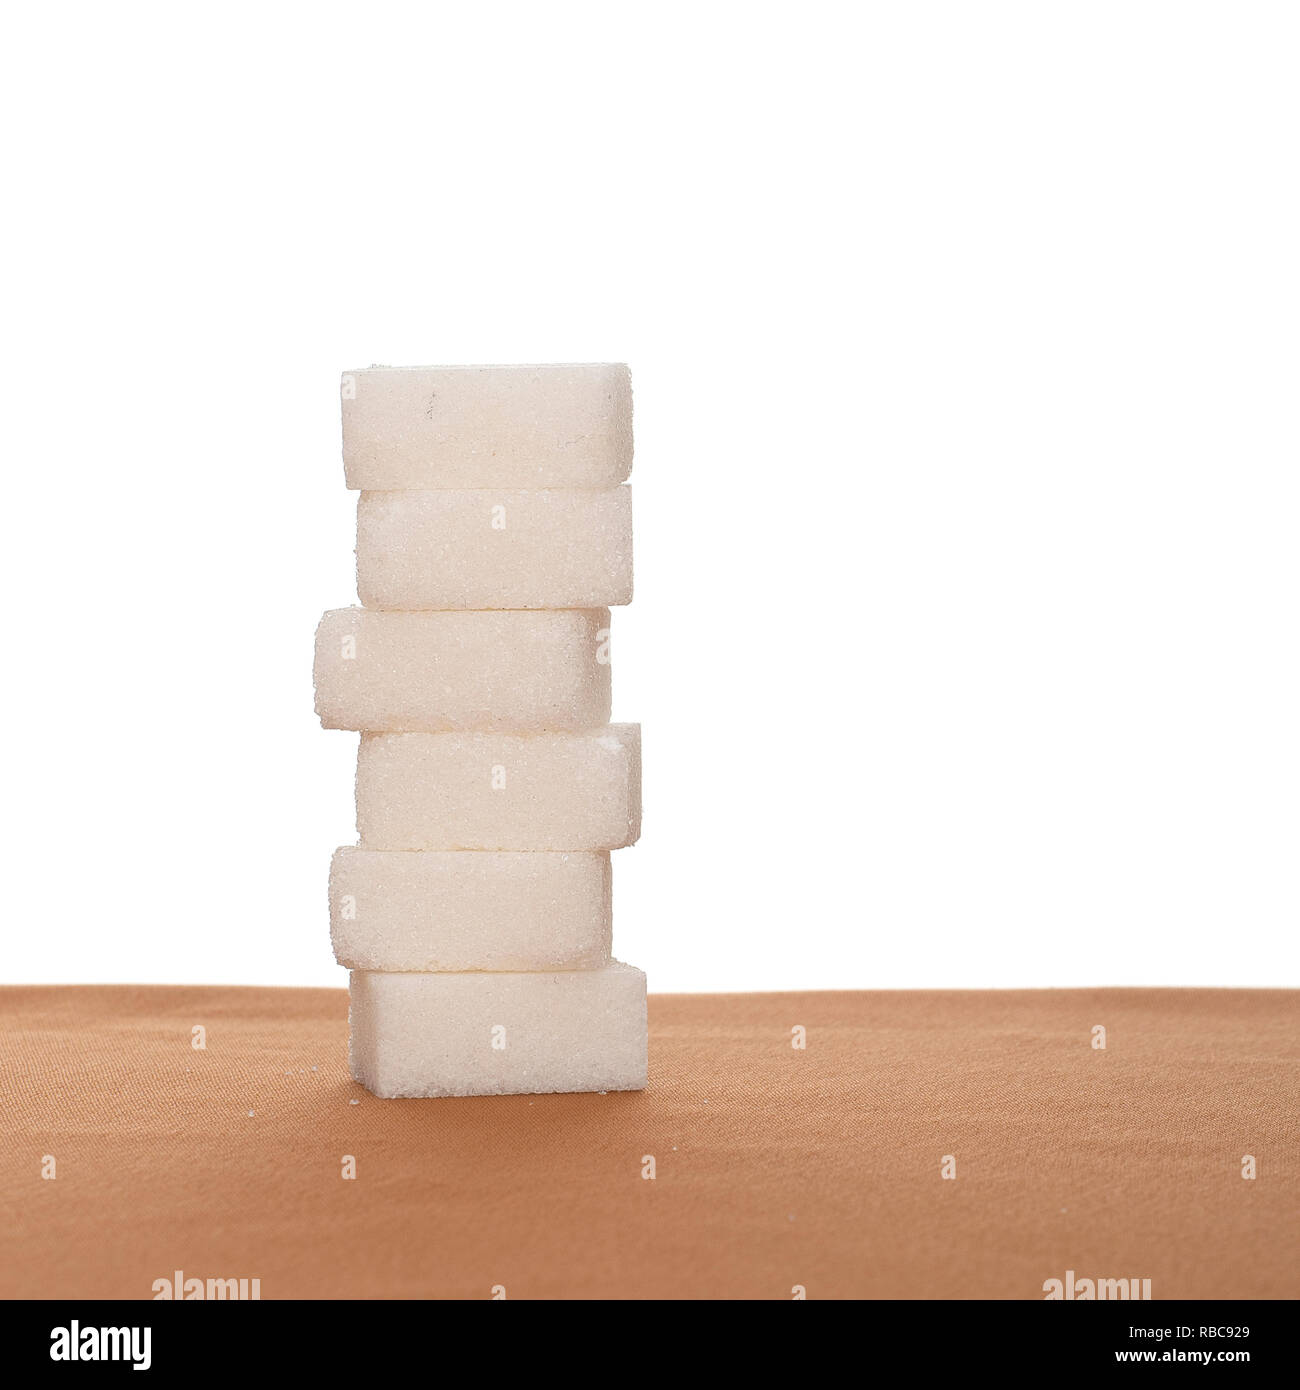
463	910
484	1034
463	670
562	425
479	548
553	791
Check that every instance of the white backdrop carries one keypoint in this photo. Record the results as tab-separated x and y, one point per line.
965	355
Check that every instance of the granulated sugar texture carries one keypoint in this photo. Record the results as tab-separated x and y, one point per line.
558	426
444	910
511	671
500	791
483	1034
560	548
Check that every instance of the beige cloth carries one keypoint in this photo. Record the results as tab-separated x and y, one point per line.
774	1167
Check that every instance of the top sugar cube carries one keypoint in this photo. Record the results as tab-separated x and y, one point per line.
426	428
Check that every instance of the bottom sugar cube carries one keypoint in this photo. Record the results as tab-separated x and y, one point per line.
484	1034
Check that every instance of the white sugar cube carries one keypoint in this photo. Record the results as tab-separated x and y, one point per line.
562	425
478	548
555	791
498	1034
469	911
463	670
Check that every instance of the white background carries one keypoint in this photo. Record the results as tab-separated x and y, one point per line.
965	348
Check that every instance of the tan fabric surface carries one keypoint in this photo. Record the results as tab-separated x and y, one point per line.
774	1167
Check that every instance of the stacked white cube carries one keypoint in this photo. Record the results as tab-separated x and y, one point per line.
494	531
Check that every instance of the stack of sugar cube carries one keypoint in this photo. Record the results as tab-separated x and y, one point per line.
494	532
